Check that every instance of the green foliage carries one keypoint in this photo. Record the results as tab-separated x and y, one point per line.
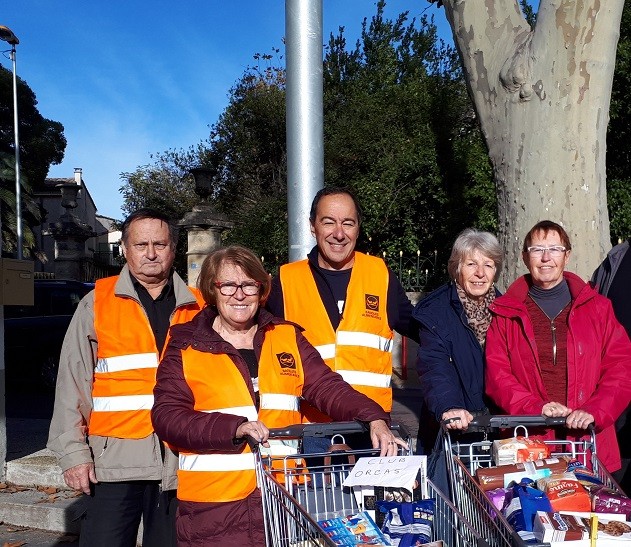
248	153
619	205
42	141
400	131
166	184
529	12
31	214
619	137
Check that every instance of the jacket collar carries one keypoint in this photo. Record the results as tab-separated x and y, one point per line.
514	299
125	287
199	330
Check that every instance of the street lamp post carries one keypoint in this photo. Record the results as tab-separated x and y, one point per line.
6	34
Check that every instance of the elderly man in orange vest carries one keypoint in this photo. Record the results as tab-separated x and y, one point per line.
349	303
101	428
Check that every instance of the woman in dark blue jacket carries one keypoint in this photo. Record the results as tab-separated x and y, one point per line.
453	322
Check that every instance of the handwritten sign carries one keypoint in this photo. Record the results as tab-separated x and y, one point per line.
387	471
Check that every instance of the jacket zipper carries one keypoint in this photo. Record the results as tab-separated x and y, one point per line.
554	342
553	330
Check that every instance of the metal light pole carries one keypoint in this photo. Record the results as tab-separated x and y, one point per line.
6	34
305	119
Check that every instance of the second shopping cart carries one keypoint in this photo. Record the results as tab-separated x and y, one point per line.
465	458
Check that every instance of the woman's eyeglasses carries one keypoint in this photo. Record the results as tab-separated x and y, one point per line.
249	288
555	250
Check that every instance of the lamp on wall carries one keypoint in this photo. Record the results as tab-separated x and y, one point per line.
6	35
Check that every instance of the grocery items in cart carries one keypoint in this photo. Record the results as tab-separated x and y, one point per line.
510	500
319	510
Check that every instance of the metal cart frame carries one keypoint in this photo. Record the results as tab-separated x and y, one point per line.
293	506
463	459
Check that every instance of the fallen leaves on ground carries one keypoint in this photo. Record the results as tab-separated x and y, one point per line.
14	543
12	488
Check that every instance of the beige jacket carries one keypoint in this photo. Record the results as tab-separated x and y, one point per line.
115	459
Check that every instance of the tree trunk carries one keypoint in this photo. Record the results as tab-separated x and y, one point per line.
542	96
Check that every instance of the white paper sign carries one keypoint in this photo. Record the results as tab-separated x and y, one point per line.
387	471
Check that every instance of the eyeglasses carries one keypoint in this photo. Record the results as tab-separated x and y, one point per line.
249	288
555	250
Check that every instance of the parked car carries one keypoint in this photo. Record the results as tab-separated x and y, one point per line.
33	335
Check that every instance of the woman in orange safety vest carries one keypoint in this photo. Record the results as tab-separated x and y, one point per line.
230	373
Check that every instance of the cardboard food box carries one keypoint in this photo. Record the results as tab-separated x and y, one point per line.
557	527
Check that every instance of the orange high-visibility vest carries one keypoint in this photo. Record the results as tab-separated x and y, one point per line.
127	360
218	386
361	348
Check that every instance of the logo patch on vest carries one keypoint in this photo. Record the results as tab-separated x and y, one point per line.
371	302
286	360
287	364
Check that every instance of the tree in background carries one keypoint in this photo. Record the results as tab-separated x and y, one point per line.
42	144
619	137
42	141
542	96
248	152
400	131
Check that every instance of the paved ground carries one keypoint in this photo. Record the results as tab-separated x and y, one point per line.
13	536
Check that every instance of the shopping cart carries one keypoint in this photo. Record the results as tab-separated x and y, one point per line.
464	458
295	498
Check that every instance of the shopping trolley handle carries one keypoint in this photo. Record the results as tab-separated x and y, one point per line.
298	431
490	421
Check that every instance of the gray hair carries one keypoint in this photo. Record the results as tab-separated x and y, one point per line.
469	241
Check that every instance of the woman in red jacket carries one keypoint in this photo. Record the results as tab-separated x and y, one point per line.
555	348
232	372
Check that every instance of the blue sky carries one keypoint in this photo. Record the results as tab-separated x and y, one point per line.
135	77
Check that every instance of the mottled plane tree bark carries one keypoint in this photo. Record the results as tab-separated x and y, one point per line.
542	96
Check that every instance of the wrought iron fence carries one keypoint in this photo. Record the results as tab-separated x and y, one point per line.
417	273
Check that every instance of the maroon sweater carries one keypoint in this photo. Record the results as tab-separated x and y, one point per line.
547	333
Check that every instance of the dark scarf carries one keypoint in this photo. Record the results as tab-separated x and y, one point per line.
478	315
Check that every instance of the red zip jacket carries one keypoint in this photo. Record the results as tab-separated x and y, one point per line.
598	361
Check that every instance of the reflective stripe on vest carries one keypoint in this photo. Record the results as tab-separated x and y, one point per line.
231	477
122	403
278	401
359	378
361	349
216	462
248	412
127	360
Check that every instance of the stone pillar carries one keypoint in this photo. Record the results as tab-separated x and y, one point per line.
70	235
204	227
203	224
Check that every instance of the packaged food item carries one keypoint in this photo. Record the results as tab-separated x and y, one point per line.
497	497
584	475
358	529
490	478
552	526
522	505
605	500
407	524
518	450
565	492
